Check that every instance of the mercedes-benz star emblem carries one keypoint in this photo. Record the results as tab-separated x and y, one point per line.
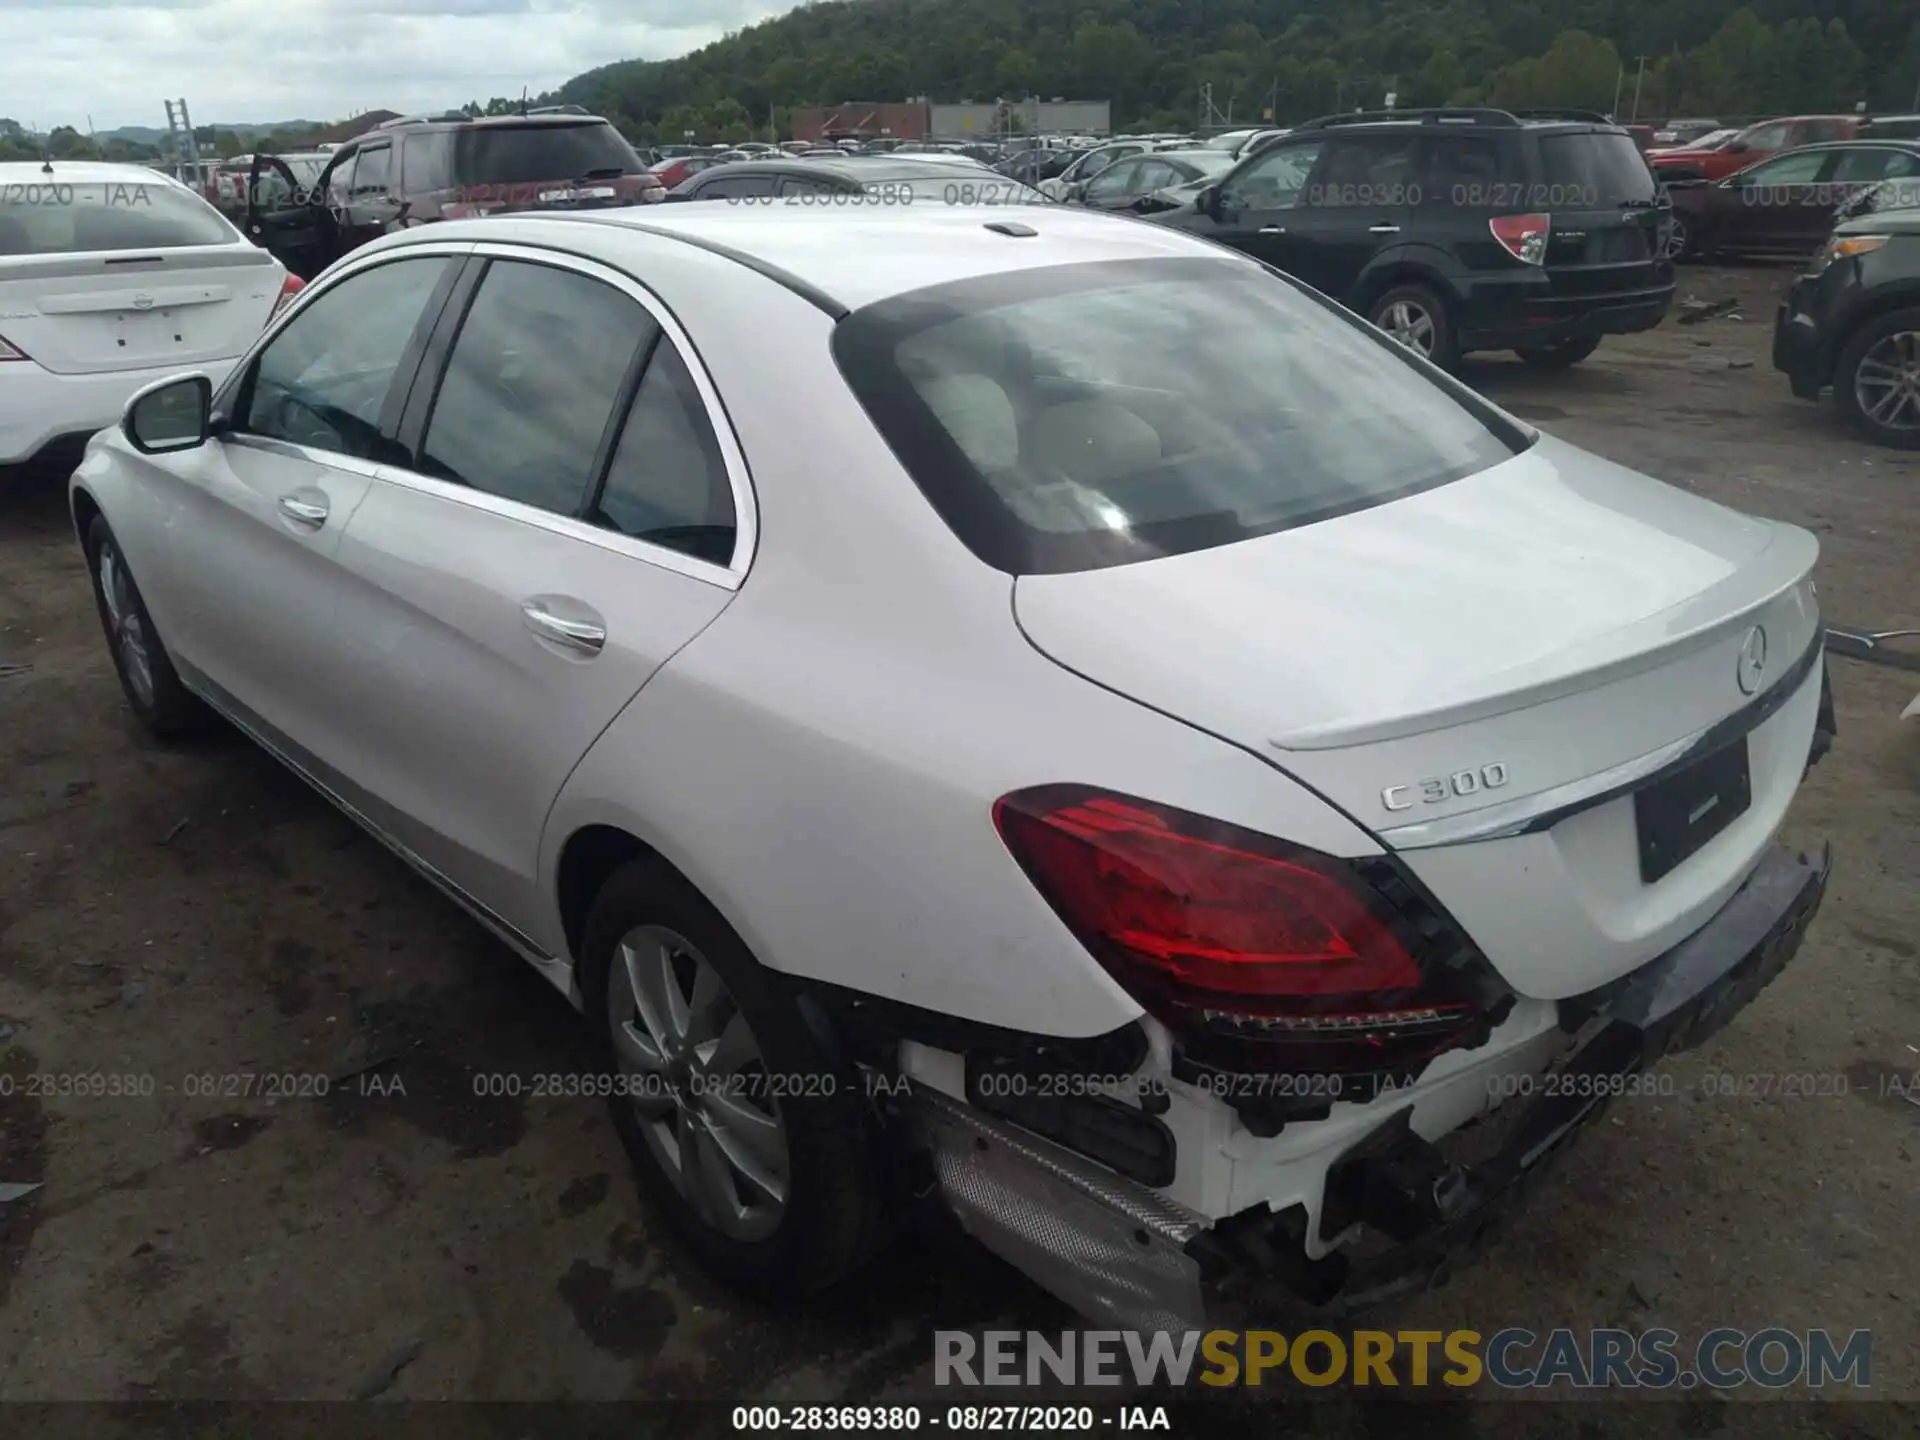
1752	662
143	302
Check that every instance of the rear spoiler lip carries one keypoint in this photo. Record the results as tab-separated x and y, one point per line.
238	253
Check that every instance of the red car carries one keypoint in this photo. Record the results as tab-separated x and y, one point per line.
1756	142
684	167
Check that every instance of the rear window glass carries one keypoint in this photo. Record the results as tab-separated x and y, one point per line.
58	218
1606	169
1073	417
517	154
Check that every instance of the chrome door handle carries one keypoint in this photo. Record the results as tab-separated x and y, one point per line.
585	636
1273	229
1383	229
304	512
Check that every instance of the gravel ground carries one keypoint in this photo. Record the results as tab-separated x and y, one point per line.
173	913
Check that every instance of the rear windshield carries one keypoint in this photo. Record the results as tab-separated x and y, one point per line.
1072	417
57	218
517	154
1607	169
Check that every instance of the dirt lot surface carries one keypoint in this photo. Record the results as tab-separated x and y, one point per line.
176	913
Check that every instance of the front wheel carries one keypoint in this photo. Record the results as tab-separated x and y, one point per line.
147	677
1419	319
1563	356
1876	381
745	1124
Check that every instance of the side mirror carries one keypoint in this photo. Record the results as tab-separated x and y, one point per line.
169	415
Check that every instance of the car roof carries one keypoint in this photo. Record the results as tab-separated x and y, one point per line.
77	172
858	169
844	259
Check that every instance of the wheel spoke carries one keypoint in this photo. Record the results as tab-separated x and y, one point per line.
713	1176
110	585
751	1138
636	1048
707	1006
733	1050
1879	370
1886	407
645	967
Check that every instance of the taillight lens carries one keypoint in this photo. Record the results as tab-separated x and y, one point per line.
289	287
11	351
1214	928
1523	236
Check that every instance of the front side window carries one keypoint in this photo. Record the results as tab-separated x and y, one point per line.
340	182
323	380
1765	137
1114	181
667	483
370	175
1071	417
1801	168
1364	170
531	383
1274	180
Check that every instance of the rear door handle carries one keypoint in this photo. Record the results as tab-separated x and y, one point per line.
1273	229
1383	229
305	507
584	636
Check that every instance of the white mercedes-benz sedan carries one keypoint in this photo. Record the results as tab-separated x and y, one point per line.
1005	706
112	277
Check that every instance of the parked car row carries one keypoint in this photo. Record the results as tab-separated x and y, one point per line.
629	573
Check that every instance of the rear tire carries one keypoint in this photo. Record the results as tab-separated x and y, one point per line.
1418	318
1563	356
1876	380
690	1098
147	677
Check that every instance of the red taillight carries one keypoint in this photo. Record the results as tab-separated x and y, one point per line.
11	351
1523	236
289	287
1218	912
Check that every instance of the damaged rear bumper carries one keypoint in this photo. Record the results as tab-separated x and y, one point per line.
1123	1253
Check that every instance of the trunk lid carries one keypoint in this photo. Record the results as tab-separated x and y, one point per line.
125	274
1482	649
80	315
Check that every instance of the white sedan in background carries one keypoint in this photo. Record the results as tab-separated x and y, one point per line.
1019	707
113	276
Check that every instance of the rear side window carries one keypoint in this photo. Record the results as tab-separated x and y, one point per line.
1470	170
668	483
1072	417
58	218
531	384
518	154
1602	168
426	162
370	176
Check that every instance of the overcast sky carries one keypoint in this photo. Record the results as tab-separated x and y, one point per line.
248	61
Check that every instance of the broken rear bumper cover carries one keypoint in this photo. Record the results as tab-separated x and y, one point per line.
1404	1211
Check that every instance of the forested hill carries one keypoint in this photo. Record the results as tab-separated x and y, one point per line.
1150	57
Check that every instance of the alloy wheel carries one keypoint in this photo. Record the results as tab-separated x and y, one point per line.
1677	239
1886	383
128	633
698	1083
1409	322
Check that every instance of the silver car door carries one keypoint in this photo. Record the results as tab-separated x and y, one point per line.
257	514
574	512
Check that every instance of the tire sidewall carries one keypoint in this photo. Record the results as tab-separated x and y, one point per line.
827	1128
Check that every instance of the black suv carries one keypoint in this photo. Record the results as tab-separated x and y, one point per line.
1458	230
1853	320
421	168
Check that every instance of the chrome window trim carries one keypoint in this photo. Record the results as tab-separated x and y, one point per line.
340	271
292	450
739	479
1530	814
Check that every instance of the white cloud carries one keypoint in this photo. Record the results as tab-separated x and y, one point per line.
248	61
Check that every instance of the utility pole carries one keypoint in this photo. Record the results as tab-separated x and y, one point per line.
1618	81
1637	81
